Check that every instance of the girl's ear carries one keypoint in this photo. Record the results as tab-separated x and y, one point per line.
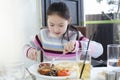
70	20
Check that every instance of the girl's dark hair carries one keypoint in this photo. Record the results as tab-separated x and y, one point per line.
61	9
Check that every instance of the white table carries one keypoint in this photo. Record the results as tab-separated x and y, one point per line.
95	74
98	73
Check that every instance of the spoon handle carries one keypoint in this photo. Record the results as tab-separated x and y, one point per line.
59	56
33	76
53	59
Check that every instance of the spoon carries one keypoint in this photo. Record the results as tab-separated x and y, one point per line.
33	77
53	59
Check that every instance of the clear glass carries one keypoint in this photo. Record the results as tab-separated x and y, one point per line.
81	55
113	55
16	71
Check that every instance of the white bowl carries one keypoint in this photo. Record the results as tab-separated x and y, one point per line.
33	69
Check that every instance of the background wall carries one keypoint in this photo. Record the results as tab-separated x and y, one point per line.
19	21
93	7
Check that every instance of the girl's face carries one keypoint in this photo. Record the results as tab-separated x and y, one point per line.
57	25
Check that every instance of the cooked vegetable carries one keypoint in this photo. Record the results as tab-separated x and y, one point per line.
63	73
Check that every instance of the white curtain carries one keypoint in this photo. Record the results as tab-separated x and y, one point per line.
19	21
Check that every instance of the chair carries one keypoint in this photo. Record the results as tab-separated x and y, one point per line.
82	29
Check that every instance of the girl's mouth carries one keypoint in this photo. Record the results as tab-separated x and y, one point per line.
57	33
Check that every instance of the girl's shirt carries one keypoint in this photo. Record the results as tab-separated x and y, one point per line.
53	47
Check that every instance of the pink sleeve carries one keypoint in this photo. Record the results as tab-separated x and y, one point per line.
36	42
96	49
26	48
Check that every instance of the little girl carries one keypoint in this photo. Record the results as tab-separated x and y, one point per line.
60	37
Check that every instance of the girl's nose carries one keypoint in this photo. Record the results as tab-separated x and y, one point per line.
56	29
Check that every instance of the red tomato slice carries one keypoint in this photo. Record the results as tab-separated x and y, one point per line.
63	73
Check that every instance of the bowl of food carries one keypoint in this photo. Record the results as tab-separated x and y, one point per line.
60	70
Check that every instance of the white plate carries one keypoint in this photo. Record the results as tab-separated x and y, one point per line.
98	73
33	69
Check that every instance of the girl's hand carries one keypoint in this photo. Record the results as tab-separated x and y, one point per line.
32	54
69	47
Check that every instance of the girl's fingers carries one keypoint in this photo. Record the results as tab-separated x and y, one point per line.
65	48
33	54
30	55
70	46
65	51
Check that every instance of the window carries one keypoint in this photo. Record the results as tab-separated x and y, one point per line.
76	10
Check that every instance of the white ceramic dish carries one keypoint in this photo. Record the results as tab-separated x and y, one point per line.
33	70
98	73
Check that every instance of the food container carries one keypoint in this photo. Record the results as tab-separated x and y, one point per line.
117	74
110	75
83	60
73	76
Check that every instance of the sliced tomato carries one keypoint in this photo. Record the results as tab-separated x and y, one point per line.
63	73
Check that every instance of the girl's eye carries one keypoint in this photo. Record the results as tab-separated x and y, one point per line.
51	25
61	25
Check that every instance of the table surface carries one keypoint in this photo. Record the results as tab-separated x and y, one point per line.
97	73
